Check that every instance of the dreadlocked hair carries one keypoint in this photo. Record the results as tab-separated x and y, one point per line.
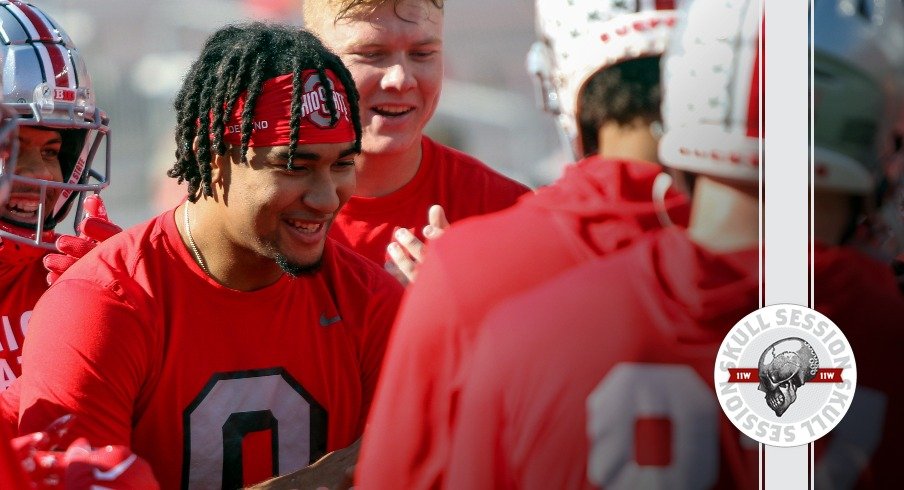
239	58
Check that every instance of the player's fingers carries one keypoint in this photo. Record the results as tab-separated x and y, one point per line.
25	445
78	450
438	223
94	207
51	277
394	271
98	229
407	267
57	430
56	264
410	243
436	216
74	246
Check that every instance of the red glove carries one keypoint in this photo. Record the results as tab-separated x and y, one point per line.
80	466
94	228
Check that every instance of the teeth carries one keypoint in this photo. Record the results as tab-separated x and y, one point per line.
392	110
23	206
20	216
306	226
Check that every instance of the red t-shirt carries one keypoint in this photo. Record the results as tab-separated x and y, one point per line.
212	386
23	280
596	207
463	185
602	377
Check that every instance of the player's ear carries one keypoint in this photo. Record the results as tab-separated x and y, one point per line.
219	164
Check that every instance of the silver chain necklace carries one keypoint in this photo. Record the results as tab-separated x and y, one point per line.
191	241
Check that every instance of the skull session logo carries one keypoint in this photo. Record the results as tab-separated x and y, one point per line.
785	375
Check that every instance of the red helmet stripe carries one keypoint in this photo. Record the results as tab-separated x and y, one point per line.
58	57
43	30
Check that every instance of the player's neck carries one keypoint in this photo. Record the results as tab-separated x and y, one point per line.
380	174
724	217
226	262
632	141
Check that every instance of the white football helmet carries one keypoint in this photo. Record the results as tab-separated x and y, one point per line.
578	38
711	90
46	83
858	84
711	97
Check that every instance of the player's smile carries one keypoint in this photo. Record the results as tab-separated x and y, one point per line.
309	232
398	68
38	159
393	111
23	206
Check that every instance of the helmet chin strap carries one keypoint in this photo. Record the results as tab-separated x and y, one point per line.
661	186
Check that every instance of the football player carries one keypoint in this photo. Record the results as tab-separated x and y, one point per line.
394	49
602	377
229	339
601	74
47	85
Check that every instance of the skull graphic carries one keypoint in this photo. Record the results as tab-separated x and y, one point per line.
784	367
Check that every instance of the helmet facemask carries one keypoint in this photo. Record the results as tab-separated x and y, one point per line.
50	88
9	150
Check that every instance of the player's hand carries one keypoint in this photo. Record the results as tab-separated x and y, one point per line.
406	252
80	466
335	471
94	228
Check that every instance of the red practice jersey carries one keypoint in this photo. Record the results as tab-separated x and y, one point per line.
23	280
602	377
463	185
861	296
596	207
212	386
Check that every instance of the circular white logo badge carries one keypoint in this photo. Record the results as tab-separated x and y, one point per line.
785	375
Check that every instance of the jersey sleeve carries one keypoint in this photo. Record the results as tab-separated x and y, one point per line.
407	426
87	354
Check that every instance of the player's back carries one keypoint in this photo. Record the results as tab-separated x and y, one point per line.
602	377
860	295
596	207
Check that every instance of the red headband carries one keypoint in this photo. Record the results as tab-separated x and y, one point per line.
272	113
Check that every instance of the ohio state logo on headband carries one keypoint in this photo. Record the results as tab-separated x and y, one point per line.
271	121
313	101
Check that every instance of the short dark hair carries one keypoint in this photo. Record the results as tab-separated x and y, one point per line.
239	58
620	93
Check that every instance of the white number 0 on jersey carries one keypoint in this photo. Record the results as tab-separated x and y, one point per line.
632	392
233	405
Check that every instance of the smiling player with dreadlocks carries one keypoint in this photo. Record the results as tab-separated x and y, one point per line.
228	339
